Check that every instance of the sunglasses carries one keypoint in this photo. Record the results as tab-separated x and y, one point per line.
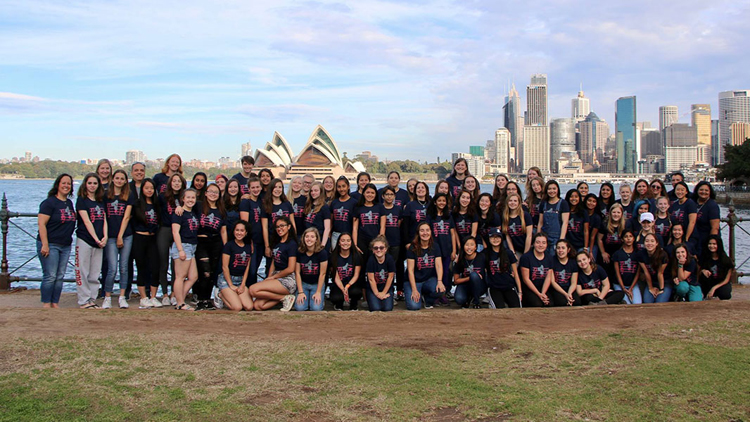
378	248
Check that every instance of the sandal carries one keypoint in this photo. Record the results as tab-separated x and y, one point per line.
185	307
89	305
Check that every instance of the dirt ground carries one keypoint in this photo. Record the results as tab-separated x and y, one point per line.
22	316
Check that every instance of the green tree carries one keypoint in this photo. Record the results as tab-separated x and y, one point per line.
736	161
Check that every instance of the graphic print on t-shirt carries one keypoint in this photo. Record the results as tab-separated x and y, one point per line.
151	217
381	277
96	214
563	277
341	214
628	266
210	220
426	261
391	220
574	225
495	266
240	260
310	268
369	218
67	215
515	230
116	208
193	223
278	214
441	228
538	272
345	271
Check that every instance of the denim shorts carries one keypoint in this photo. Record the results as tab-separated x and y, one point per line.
222	282
189	249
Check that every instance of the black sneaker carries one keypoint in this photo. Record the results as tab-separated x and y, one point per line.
477	306
200	305
208	305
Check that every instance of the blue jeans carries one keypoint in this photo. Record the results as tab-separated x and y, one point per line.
376	304
426	289
666	296
637	299
690	292
53	270
117	257
447	273
474	287
309	304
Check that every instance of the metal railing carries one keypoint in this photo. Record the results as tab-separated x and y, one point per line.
7	277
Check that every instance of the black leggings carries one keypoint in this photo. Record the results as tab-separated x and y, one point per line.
146	254
164	242
531	300
207	258
337	296
500	298
612	298
724	292
559	299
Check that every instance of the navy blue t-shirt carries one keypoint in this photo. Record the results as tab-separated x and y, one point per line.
563	273
628	210
116	213
692	268
283	209
612	241
244	189
167	209
576	225
441	231
642	257
317	219
593	280
298	206
97	215
662	226
253	210
533	212
392	227
679	213
628	264
310	265
282	252
62	220
538	268
485	224
414	213
706	212
517	231
380	270
342	215
463	224
189	223
424	265
160	182
239	257
455	185
151	225
345	266
400	200
210	224
497	278
464	267
368	221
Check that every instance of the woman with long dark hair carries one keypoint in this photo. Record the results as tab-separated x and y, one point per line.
146	214
119	203
716	270
606	198
250	211
564	275
444	235
487	218
578	222
468	274
593	283
554	214
275	206
342	210
654	261
457	176
199	183
56	222
169	202
708	219
502	273
684	211
536	273
517	225
345	267
368	220
280	285
425	269
212	236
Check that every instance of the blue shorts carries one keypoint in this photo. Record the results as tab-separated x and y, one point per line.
222	282
189	249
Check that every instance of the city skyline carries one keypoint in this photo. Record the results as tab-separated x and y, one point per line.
413	79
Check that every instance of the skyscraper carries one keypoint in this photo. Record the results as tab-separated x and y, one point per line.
667	116
247	149
536	100
502	149
594	133
535	148
579	107
511	113
563	139
734	106
625	136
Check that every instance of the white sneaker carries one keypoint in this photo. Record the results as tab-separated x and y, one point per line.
173	301
155	302
123	303
107	304
165	300
288	302
145	303
218	302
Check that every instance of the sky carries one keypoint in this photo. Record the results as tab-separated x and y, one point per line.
406	80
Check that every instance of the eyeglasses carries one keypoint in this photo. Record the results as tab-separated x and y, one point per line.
281	226
378	248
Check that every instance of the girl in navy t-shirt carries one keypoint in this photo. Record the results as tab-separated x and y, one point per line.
345	267
119	203
317	214
465	216
593	283
627	270
185	235
92	238
310	272
536	273
502	273
683	211
367	219
685	275
653	261
281	284
564	275
380	272
236	261
468	275
275	206
517	225
444	235
425	270
342	211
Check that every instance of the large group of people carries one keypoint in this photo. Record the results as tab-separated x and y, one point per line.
244	243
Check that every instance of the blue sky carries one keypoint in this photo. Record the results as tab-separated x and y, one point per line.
91	79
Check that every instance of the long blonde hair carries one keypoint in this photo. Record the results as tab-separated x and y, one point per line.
315	204
506	212
620	226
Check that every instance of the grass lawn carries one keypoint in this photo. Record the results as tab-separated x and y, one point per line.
670	372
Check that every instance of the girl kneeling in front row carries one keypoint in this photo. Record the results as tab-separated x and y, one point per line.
311	268
381	269
685	275
280	284
502	273
345	266
593	283
425	270
468	275
236	262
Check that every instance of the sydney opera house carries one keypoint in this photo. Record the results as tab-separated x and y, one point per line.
320	157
